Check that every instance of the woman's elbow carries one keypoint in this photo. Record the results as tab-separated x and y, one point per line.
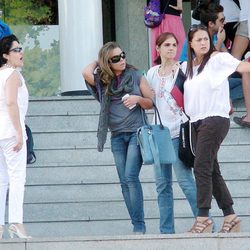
11	103
84	73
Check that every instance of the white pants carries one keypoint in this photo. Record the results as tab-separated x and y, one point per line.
12	177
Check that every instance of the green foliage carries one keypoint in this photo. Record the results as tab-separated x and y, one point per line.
42	70
23	12
41	66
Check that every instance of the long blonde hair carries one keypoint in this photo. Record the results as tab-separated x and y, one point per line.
106	73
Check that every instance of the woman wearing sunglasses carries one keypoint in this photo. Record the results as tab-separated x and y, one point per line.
162	78
206	102
13	108
122	92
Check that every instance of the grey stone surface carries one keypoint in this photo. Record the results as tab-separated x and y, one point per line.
145	242
106	192
90	156
72	190
63	105
43	175
88	139
114	210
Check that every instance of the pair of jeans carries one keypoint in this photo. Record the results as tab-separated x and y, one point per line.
128	161
163	179
211	131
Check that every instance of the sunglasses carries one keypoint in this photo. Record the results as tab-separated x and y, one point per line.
222	20
197	27
116	59
17	50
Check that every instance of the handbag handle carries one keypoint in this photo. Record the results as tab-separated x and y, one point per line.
157	114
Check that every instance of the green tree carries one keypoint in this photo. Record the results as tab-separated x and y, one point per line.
41	69
23	12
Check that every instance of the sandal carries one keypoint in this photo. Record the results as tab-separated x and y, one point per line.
232	226
202	226
239	121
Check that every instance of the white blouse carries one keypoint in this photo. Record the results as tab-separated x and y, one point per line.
207	93
171	114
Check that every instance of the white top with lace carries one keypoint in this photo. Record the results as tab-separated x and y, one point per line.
171	114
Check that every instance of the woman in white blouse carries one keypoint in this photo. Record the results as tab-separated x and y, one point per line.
206	102
13	153
162	78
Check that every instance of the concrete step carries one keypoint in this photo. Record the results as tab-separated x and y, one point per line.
236	241
109	192
110	227
72	190
62	105
74	123
114	210
67	105
49	175
90	156
88	139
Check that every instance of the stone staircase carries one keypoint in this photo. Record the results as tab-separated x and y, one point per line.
73	191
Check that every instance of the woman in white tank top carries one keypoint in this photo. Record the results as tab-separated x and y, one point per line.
13	152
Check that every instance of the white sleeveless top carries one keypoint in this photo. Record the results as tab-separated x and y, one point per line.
7	129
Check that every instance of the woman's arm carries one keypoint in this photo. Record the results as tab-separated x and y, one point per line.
88	72
243	67
145	101
11	92
178	6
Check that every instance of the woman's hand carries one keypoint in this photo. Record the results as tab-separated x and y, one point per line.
19	142
88	72
131	100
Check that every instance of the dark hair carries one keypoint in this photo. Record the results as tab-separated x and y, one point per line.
193	29
160	40
5	46
196	7
209	13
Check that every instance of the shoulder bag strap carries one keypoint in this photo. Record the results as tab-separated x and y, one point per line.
237	2
165	7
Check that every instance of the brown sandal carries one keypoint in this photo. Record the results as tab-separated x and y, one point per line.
232	226
202	226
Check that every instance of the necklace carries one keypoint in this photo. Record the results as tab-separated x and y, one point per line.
9	66
167	70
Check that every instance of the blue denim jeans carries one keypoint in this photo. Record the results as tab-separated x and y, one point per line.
185	179
128	163
163	177
235	86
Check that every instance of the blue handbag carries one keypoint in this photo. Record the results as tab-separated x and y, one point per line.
155	142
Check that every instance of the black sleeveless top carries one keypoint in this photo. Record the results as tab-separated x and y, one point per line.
170	10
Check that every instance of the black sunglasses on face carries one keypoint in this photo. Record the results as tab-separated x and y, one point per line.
222	20
17	50
116	59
